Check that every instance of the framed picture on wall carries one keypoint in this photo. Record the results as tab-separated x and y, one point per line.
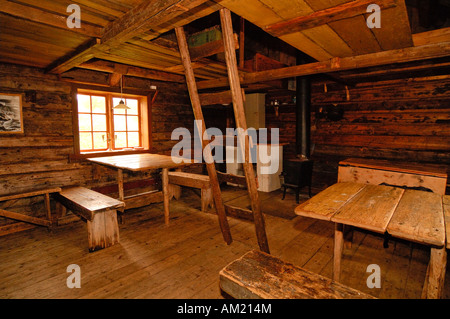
11	120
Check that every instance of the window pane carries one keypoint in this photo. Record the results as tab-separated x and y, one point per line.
99	122
95	122
116	101
133	104
120	123
84	103
98	104
133	139
121	140
100	141
85	141
84	122
133	123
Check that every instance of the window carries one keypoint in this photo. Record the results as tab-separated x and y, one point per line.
104	129
126	124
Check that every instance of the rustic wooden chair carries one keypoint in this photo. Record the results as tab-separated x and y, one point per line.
297	174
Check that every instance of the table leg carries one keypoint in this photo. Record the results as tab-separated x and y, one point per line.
338	247
434	280
121	193
165	189
120	184
48	209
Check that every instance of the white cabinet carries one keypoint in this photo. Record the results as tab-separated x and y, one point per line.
269	165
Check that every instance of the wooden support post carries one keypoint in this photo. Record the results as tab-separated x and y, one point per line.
196	106
239	113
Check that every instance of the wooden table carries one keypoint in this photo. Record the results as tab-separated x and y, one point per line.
139	163
412	215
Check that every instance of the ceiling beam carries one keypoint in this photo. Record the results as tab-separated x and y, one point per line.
83	53
424	52
143	17
409	70
112	67
434	36
321	17
48	18
114	79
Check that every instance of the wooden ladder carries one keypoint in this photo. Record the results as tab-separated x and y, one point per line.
241	124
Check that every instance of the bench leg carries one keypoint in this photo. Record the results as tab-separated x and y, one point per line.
174	191
103	230
207	200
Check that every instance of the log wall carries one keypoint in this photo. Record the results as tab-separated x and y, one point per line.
402	120
40	157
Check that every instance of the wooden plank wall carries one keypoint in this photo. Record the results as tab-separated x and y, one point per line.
403	119
39	158
172	109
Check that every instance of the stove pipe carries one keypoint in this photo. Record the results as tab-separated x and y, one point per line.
303	114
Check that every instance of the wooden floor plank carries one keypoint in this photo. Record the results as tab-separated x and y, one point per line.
354	262
394	278
153	259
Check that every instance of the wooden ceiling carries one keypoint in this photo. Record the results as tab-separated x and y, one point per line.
132	37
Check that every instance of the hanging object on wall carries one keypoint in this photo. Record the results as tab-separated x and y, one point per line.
332	112
276	106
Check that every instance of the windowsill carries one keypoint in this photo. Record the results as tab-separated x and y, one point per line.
81	156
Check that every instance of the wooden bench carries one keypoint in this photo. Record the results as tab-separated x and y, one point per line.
178	178
98	210
10	200
258	275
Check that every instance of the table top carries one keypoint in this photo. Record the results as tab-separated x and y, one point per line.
407	214
140	162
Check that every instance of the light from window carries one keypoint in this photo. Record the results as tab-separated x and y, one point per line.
126	124
92	122
103	128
